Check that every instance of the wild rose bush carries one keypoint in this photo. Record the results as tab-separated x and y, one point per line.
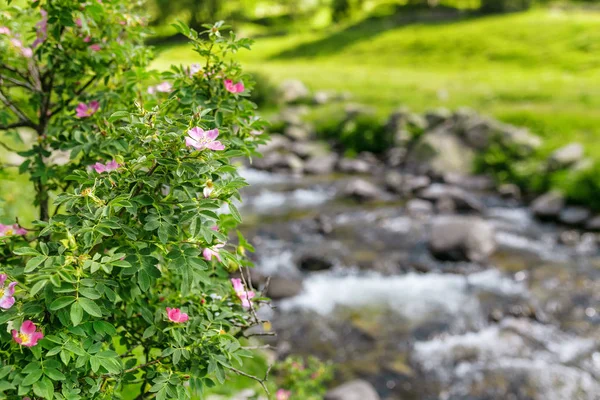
123	282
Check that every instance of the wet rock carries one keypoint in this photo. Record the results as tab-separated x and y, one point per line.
298	132
509	191
441	152
354	390
324	224
395	156
321	165
462	238
276	143
282	287
548	205
306	150
402	123
418	208
362	190
321	97
593	224
445	205
354	166
279	162
573	215
462	199
469	182
292	91
312	263
405	183
566	156
437	117
521	137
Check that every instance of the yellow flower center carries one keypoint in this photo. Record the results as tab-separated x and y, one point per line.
1	292
8	232
25	338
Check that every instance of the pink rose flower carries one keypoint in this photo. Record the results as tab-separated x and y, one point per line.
42	29
4	30
201	139
87	110
10	230
28	336
210	252
241	292
95	47
175	315
194	69
282	394
27	52
234	87
6	294
164	87
108	167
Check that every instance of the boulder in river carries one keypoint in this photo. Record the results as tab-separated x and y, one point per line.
440	151
461	198
461	238
321	165
405	183
574	215
353	390
282	287
418	208
298	132
354	166
312	262
362	190
548	205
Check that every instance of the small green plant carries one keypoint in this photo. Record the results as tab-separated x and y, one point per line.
303	379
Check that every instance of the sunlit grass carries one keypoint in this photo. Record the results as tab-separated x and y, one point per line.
540	68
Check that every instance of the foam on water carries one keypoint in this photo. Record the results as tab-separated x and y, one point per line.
545	251
268	200
412	295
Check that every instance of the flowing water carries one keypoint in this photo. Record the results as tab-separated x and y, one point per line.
525	325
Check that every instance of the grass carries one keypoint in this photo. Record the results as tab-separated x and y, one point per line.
540	68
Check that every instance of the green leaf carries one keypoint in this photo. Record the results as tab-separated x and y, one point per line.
37	287
54	374
235	213
44	388
90	307
76	314
118	115
33	263
61	302
26	251
32	378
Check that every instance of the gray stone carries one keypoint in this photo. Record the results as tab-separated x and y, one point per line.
298	132
306	150
293	90
509	191
314	262
566	156
548	205
353	390
461	238
321	165
469	182
395	156
362	190
275	143
442	152
279	162
574	215
292	115
462	199
593	224
354	166
405	183
418	208
321	97
437	117
282	287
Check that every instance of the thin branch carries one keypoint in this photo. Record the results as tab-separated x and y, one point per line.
2	144
14	71
261	334
17	82
18	124
256	378
13	108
